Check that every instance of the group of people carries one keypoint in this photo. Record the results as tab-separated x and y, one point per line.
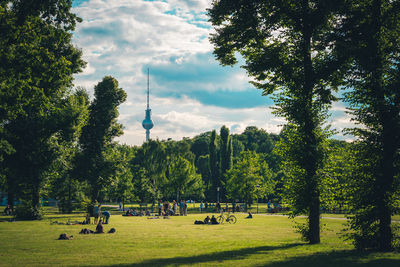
273	207
99	215
99	229
166	209
8	210
132	212
208	220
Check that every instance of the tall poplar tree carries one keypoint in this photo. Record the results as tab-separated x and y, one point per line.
214	170
225	158
94	164
370	36
286	49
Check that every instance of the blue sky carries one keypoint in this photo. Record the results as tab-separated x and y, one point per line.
190	92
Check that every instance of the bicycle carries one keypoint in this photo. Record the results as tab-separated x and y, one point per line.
229	218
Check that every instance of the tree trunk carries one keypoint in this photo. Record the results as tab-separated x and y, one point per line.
314	221
310	163
389	145
385	182
10	193
95	194
35	200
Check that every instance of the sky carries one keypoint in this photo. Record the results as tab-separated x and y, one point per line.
190	92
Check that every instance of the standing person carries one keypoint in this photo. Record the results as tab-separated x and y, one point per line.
201	207
206	205
120	205
106	216
96	213
226	206
184	208
174	206
165	208
233	206
218	207
181	208
159	208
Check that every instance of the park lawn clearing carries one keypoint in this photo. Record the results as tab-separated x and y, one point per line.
138	241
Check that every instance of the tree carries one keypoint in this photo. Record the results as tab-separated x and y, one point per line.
63	186
149	166
256	140
203	167
94	163
214	166
249	178
184	180
225	157
337	175
286	48
369	36
38	61
122	186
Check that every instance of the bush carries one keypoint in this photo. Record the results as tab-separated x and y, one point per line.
27	212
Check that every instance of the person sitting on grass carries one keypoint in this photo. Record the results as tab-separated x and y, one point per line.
213	220
207	220
87	219
8	210
99	228
250	216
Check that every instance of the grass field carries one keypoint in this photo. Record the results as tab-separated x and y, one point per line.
262	241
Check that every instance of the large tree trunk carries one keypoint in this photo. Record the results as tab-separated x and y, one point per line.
389	145
314	220
310	161
386	180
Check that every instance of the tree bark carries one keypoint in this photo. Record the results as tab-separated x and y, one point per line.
10	193
310	160
388	138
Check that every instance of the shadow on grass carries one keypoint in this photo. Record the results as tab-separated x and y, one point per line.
342	258
217	256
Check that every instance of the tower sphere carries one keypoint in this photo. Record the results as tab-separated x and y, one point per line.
147	122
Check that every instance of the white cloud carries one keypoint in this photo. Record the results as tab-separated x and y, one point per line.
177	118
122	38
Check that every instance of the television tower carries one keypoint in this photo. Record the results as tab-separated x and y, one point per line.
147	122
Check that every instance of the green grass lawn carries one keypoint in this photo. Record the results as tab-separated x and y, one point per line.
261	241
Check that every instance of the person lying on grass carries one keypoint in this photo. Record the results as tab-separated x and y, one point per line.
206	221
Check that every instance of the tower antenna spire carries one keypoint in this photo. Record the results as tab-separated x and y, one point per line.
147	122
148	88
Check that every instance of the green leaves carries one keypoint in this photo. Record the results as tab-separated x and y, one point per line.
249	178
93	163
38	61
